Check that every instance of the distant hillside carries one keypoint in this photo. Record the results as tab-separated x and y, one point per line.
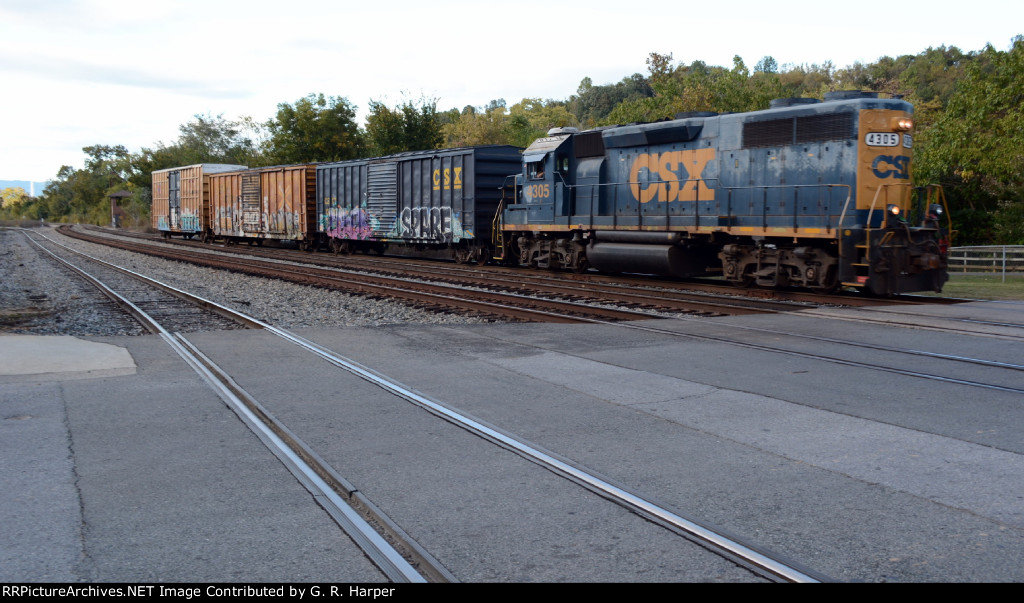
25	184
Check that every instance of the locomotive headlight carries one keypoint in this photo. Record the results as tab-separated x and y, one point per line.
903	124
892	216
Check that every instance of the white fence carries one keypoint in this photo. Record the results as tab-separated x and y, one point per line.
1000	259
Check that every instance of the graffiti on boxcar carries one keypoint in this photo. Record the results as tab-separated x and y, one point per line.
343	223
286	222
190	222
161	223
228	222
431	223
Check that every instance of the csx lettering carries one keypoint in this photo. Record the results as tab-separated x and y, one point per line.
451	178
673	185
886	166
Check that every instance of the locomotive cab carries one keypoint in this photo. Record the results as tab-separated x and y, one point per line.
545	204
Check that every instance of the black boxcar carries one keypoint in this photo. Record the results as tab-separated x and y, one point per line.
440	199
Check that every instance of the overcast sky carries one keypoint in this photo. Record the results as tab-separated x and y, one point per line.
75	73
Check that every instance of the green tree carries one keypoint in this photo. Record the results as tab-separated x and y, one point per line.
315	128
16	204
976	147
12	196
478	127
698	87
410	126
591	104
531	118
81	194
208	139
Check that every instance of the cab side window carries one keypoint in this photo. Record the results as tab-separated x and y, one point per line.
535	170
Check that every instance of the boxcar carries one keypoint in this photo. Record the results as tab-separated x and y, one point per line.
426	200
181	198
277	203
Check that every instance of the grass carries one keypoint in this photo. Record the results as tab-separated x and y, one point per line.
983	286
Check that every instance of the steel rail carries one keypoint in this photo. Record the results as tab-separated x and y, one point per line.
832	359
385	556
880	347
435	293
732	548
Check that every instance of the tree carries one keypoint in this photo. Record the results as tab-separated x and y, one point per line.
698	87
410	126
315	128
767	65
976	147
208	139
531	118
12	196
591	104
16	204
478	127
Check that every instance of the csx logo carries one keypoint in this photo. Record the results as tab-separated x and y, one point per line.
675	185
888	166
445	177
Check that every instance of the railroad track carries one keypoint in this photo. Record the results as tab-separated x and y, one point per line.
699	289
397	555
171	307
465	288
782	343
505	300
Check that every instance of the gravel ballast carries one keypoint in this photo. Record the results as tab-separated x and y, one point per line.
39	296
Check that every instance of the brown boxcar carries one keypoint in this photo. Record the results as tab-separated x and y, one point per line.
181	198
265	203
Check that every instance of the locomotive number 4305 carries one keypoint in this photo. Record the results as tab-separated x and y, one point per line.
883	139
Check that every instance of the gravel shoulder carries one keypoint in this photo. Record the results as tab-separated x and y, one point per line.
40	297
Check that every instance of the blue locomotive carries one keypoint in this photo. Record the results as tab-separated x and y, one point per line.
808	193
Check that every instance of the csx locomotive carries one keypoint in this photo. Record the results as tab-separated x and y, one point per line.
807	194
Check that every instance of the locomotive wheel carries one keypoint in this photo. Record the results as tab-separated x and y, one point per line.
831	283
744	282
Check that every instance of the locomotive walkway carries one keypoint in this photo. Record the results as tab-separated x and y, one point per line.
862	476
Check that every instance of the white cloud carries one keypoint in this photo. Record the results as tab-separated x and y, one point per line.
80	72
